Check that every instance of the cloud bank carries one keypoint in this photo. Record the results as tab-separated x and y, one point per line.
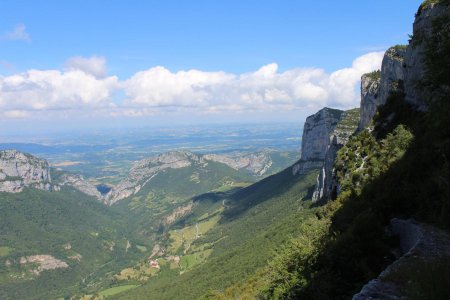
84	87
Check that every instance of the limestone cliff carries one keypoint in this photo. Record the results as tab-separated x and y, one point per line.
255	163
81	184
145	170
376	86
327	184
430	13
315	139
324	134
19	170
402	68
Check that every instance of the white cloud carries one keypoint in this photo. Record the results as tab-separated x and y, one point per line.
264	89
158	87
37	90
84	87
19	33
94	65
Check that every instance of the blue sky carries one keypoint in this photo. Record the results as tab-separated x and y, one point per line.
248	56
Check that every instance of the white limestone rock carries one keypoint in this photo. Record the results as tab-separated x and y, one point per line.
19	170
81	184
377	86
402	69
145	170
327	183
315	139
255	163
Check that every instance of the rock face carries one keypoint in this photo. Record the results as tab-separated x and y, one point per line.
402	68
145	170
327	183
316	133
414	57
315	139
376	86
370	84
44	262
19	170
324	134
255	163
178	213
81	184
418	243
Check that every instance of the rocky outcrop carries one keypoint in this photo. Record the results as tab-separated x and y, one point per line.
418	243
327	183
44	262
376	86
178	213
370	84
144	170
315	139
402	68
19	170
316	133
414	57
324	134
255	163
81	184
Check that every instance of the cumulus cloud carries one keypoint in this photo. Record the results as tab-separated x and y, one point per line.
94	65
19	33
263	89
37	90
84	86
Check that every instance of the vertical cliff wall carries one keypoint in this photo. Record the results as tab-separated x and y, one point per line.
403	68
324	134
327	184
315	139
376	86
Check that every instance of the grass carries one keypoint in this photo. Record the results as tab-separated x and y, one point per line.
189	261
4	251
184	237
140	272
226	188
141	248
116	290
257	217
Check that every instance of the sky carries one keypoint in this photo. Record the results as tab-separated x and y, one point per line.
88	64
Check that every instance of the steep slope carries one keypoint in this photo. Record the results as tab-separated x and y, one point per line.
327	185
315	139
169	188
245	165
214	241
19	170
54	243
398	168
225	253
54	233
